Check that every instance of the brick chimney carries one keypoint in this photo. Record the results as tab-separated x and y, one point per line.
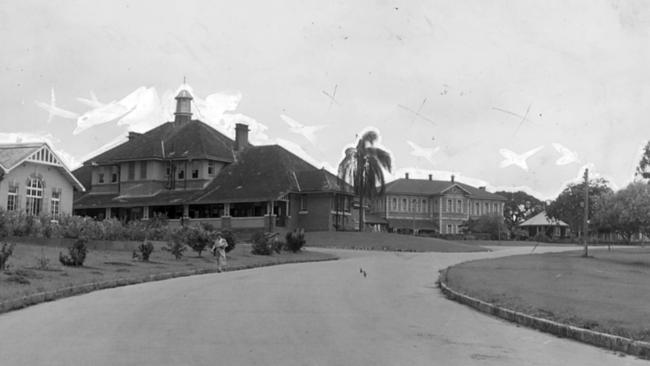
452	178
241	136
482	188
406	175
430	176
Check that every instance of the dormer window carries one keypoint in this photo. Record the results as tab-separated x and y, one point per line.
100	178
211	168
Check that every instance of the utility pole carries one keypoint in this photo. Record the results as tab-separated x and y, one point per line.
585	222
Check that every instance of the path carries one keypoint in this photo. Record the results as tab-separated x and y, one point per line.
302	314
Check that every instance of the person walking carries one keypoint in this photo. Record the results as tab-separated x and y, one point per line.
219	250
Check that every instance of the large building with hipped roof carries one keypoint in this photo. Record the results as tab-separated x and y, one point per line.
185	169
441	206
34	180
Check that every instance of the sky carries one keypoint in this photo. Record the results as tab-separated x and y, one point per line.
507	94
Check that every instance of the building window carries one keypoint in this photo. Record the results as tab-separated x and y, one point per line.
131	173
34	196
403	208
394	204
448	228
303	203
143	170
211	168
414	204
449	208
114	178
167	171
495	207
195	173
181	174
486	208
12	198
425	206
459	207
55	203
477	208
100	178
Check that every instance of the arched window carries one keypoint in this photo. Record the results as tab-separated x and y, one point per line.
394	204
34	196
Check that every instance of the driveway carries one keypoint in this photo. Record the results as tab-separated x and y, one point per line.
301	314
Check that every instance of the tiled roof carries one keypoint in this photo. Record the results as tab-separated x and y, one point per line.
435	187
12	154
542	220
321	180
190	140
84	175
259	173
162	198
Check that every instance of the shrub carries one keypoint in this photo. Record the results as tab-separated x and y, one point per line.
197	238
157	228
260	244
144	251
42	262
76	253
230	238
5	252
176	244
295	240
541	237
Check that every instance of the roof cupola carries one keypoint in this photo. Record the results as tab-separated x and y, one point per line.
183	107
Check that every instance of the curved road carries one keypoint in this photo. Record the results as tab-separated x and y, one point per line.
302	314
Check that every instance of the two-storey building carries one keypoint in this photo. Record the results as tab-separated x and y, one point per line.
433	205
187	169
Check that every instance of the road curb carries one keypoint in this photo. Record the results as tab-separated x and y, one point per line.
41	297
609	341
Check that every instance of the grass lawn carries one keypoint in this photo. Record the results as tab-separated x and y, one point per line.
609	292
25	276
386	241
514	243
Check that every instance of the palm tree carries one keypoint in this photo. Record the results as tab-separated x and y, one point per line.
363	167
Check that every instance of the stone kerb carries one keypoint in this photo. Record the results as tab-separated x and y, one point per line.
604	340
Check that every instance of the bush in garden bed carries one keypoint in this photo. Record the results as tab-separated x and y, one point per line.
76	253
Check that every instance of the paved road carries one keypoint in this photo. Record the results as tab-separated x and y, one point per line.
302	314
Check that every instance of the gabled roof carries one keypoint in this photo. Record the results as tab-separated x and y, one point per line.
436	187
259	173
542	220
12	155
172	140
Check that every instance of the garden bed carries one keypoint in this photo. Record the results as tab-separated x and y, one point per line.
34	273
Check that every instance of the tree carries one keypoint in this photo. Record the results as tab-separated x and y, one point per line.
363	167
569	205
625	212
519	207
643	169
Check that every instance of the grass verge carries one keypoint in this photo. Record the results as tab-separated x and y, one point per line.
608	292
34	273
386	241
